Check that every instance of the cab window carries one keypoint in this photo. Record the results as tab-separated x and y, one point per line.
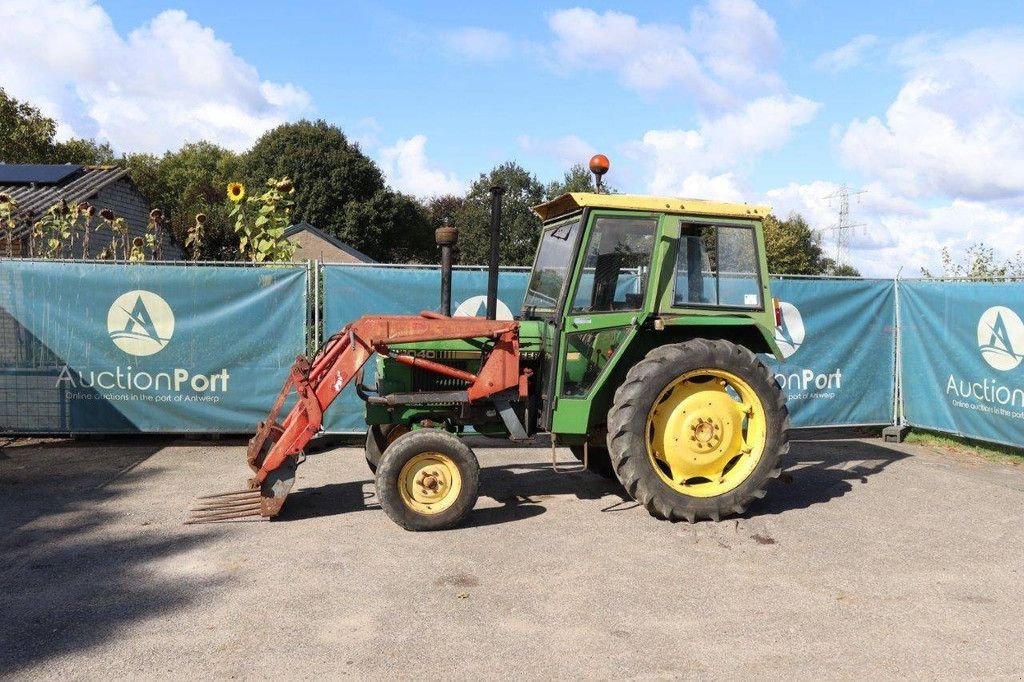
717	266
617	265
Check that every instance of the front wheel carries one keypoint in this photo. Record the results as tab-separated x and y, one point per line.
378	438
697	430
428	480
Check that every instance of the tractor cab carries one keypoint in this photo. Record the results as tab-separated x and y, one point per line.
616	275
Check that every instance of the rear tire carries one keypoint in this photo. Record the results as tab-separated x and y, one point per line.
598	460
697	430
428	480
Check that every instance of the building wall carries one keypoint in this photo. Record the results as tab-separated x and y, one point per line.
312	247
122	198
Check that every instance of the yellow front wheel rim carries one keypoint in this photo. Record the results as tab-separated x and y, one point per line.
429	483
706	432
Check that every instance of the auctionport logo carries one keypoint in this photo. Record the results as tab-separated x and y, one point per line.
476	306
1001	338
790	334
140	323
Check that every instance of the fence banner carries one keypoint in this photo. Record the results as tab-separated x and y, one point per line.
114	348
961	349
350	292
838	340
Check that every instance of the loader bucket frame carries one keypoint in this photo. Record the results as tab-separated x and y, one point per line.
273	452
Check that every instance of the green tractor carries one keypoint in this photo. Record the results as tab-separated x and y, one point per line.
636	347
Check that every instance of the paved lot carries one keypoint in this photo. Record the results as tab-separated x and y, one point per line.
873	560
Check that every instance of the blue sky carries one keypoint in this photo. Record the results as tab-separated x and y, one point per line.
919	103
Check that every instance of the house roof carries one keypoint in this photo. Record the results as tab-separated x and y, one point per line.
334	241
567	203
34	189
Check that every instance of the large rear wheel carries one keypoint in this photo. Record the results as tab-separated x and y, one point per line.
428	480
697	430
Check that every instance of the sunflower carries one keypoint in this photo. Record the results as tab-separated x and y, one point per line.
236	191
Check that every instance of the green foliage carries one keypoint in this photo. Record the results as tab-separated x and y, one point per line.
520	228
794	248
442	210
81	151
978	263
187	182
26	136
576	179
261	228
340	190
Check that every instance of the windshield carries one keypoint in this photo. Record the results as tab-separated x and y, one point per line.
549	270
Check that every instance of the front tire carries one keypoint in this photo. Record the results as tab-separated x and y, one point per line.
428	480
378	438
697	430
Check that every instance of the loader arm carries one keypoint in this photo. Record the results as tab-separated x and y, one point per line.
273	452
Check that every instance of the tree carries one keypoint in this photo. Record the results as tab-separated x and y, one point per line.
26	136
978	262
576	179
794	248
520	228
82	151
338	188
843	270
442	210
187	182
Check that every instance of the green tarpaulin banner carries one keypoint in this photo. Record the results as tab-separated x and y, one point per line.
838	339
962	344
116	348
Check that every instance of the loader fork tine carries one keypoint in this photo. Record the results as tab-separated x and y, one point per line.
237	504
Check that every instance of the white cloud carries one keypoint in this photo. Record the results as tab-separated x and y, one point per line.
568	150
708	158
846	56
896	232
407	169
724	55
168	81
955	130
477	44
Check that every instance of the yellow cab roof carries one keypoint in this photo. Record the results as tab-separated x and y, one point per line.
573	201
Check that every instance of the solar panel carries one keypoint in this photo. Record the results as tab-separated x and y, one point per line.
40	173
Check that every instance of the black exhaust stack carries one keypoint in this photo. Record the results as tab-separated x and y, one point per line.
446	237
492	265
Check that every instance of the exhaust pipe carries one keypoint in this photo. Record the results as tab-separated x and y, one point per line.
492	265
446	237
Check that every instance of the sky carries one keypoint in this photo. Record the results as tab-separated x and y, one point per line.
917	107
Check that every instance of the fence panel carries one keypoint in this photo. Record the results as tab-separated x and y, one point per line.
961	346
838	337
114	348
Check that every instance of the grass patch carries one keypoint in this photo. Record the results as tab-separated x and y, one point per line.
990	451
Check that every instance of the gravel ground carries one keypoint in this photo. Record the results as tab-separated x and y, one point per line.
872	560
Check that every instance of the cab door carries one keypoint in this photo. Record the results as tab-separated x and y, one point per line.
606	301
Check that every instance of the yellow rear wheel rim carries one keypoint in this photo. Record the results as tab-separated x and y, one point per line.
429	483
706	432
